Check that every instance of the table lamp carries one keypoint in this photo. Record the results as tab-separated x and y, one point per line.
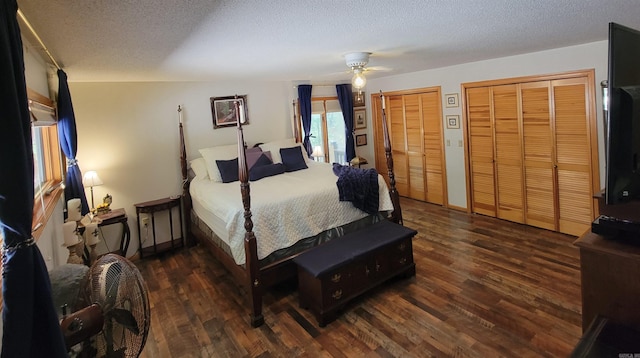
91	179
317	153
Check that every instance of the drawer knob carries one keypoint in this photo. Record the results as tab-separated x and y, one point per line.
402	246
403	261
366	270
336	278
337	295
377	267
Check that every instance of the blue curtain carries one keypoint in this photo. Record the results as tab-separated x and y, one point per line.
69	143
30	322
345	97
304	96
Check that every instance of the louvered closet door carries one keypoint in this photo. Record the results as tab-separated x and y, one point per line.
508	153
398	143
538	155
481	151
433	147
415	159
573	156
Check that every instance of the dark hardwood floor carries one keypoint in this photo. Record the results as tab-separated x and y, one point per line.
484	288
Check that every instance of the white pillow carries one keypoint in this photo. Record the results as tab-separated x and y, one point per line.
223	152
274	148
199	167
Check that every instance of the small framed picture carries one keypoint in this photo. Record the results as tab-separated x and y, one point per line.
453	121
361	139
359	119
358	99
451	100
224	111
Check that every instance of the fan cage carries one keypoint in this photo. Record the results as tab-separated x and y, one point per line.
116	284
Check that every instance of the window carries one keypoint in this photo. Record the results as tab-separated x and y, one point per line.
327	129
47	161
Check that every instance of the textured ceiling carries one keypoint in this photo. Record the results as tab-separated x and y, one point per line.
304	40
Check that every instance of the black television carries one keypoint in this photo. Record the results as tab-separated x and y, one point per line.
623	116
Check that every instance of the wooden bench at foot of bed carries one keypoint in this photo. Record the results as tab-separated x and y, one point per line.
332	274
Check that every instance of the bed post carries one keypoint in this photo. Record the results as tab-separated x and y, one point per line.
186	196
396	215
254	285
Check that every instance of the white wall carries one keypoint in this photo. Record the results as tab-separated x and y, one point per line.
128	132
587	56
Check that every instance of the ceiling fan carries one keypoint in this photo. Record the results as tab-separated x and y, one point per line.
357	62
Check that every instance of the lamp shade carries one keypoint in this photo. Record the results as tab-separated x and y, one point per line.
91	179
317	152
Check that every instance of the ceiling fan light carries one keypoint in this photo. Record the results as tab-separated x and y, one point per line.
358	81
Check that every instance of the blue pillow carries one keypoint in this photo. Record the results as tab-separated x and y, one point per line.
228	170
263	171
262	160
292	158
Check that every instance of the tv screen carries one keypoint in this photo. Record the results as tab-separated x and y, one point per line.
623	116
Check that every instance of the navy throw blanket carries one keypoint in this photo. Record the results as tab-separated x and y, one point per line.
359	186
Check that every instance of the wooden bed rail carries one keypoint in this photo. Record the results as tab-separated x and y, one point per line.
396	215
186	196
253	284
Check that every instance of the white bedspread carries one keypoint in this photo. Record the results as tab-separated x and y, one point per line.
285	208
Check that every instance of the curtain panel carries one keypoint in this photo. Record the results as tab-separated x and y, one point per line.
304	96
345	97
30	322
69	143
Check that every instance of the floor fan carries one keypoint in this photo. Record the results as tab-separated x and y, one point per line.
116	323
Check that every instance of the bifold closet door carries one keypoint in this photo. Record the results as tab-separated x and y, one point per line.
395	116
481	151
434	166
415	158
538	147
573	155
508	153
415	126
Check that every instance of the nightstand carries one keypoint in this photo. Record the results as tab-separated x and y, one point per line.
117	216
170	204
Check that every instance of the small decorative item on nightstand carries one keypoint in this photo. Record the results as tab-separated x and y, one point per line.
104	208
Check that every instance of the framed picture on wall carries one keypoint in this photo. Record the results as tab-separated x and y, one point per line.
361	139
453	121
451	100
359	119
358	99
224	111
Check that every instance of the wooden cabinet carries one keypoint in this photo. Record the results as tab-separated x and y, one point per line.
415	126
532	151
610	286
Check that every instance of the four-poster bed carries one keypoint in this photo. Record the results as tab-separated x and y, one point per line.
284	227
